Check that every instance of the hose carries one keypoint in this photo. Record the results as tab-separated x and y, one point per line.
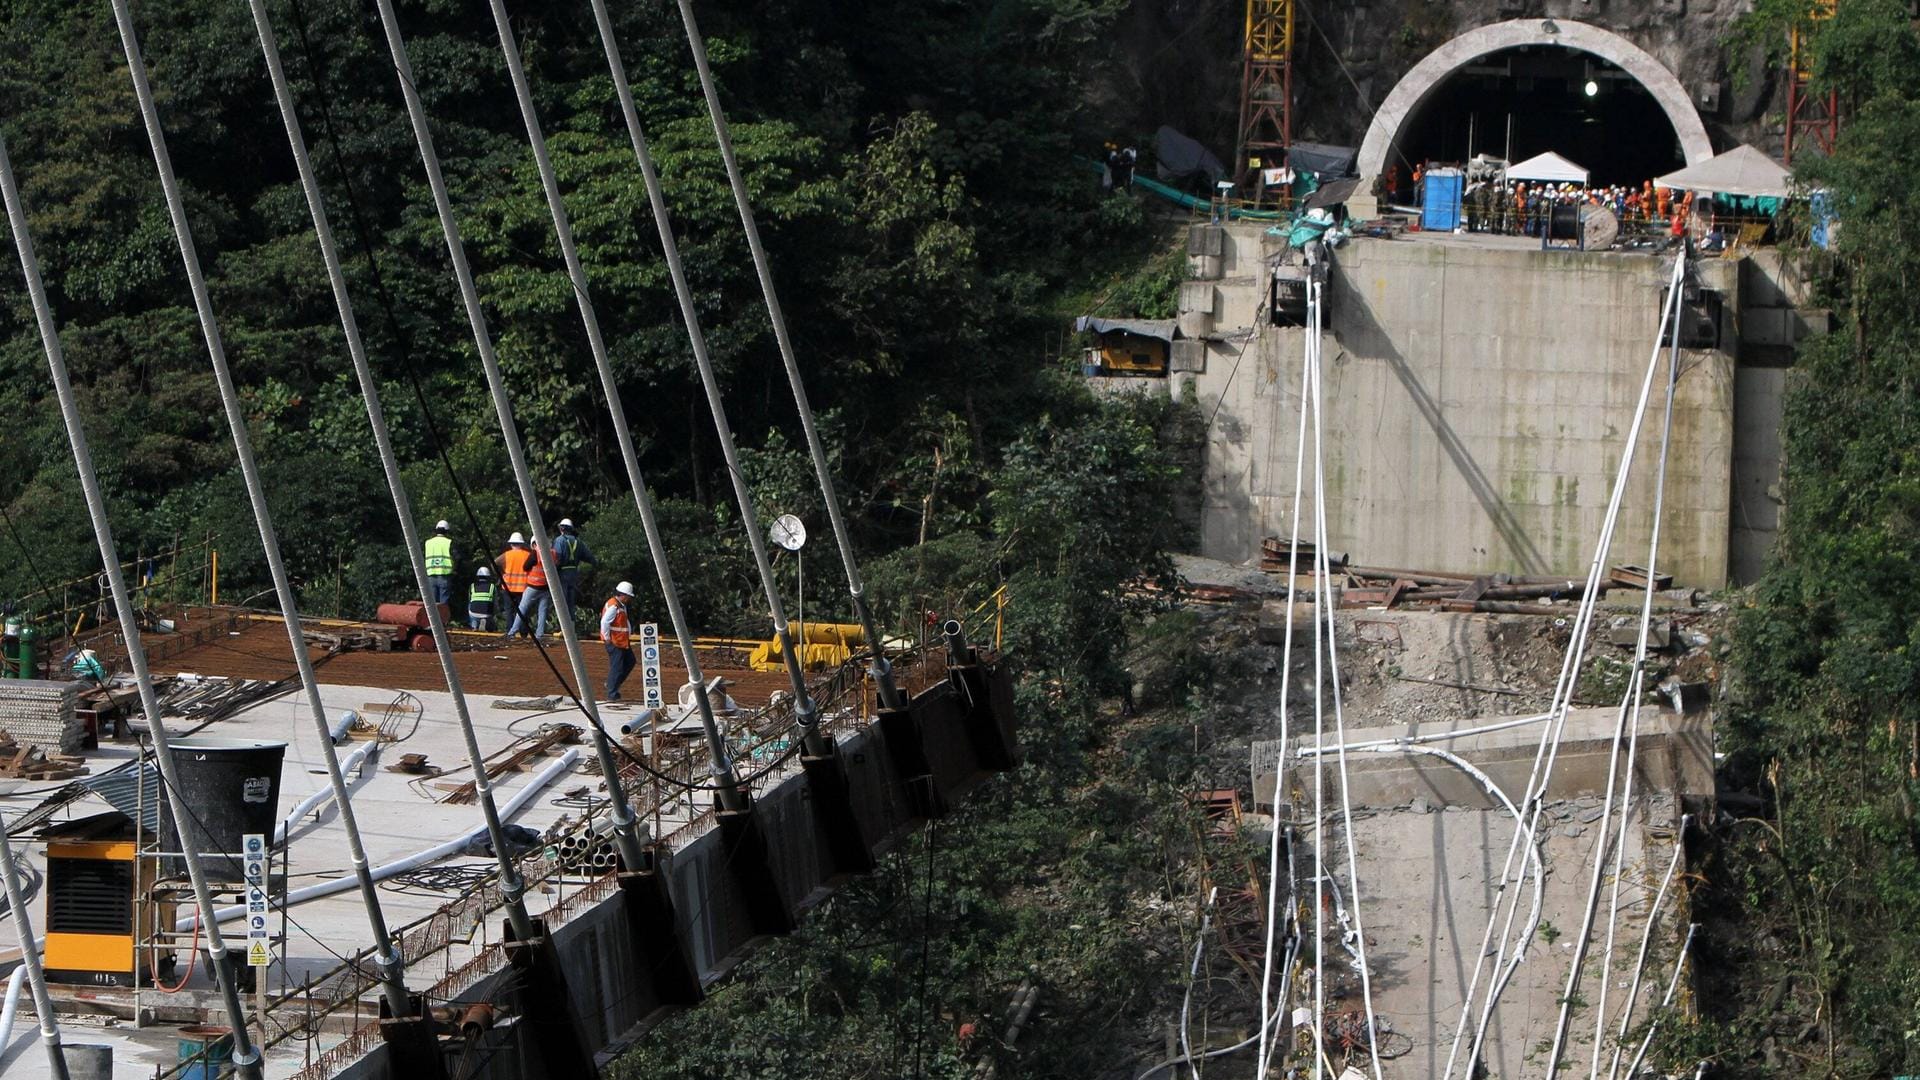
439	851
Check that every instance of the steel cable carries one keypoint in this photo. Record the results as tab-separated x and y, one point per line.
622	812
511	884
245	1058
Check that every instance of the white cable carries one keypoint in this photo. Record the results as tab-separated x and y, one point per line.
1546	753
1311	391
1629	721
1280	765
1636	689
1665	1000
1193	971
1325	605
1435	736
1646	939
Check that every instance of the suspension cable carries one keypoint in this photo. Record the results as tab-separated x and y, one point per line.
722	768
620	811
1546	753
392	967
245	1058
1280	767
1324	604
1630	720
806	714
890	695
511	883
30	953
1646	940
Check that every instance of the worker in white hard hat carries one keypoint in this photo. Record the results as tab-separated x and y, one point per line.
616	630
569	551
512	566
440	564
481	597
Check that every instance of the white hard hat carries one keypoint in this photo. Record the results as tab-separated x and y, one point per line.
566	523
625	588
483	572
441	525
516	538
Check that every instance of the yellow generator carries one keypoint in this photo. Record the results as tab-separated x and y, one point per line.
92	879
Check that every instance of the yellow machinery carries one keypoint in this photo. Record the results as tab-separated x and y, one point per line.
826	645
1121	353
91	883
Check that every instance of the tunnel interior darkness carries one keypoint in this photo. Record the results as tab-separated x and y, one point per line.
1519	102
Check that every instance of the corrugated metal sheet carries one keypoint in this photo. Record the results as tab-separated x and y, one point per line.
134	790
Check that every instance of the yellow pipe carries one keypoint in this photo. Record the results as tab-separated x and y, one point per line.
213	599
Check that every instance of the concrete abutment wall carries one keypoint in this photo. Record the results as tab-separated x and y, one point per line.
1478	396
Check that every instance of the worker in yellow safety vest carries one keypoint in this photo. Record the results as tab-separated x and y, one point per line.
616	630
440	564
481	597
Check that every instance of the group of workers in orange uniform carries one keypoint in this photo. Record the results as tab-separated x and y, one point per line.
1522	208
517	582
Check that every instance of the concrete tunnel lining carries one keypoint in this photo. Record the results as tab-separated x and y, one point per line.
1427	76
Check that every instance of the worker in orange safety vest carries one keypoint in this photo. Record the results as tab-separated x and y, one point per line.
616	630
510	567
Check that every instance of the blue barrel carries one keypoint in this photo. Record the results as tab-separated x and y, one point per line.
208	1048
1440	201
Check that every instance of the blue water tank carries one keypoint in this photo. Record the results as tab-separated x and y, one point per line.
1440	200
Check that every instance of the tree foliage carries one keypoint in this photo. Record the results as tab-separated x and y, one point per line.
1810	965
910	168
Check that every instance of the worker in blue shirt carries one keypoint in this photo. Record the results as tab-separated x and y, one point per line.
569	551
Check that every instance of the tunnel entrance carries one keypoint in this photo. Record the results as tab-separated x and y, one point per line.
1519	102
1638	123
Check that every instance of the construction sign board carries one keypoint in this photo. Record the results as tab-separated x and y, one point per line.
650	665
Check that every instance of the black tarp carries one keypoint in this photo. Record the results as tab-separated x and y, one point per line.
1180	160
1326	162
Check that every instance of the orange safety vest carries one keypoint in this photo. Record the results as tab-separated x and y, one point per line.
536	573
619	635
513	569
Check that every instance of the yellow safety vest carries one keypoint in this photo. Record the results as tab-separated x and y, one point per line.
440	556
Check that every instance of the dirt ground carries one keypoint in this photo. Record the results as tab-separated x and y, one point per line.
260	650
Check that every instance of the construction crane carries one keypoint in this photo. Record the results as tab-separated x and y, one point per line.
1266	91
1809	115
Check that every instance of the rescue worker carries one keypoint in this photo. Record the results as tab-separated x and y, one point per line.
616	630
481	596
439	548
512	565
569	551
534	603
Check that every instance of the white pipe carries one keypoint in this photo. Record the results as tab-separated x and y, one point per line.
337	731
439	851
15	983
314	801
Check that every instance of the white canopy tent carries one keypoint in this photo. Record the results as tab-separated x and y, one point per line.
1548	168
1740	171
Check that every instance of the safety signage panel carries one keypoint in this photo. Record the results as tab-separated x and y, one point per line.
650	665
253	873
